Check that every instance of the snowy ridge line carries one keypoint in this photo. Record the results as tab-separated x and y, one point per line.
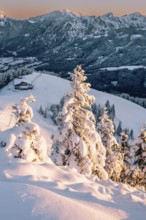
123	67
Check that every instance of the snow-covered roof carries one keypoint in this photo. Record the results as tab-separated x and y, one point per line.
18	81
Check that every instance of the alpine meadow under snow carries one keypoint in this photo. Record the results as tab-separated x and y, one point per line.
60	172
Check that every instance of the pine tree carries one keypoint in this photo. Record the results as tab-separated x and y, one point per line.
61	104
119	128
41	111
107	106
114	161
63	138
55	110
140	150
94	110
127	132
22	111
139	173
112	112
106	130
137	178
125	147
77	143
45	113
126	151
97	112
131	134
29	143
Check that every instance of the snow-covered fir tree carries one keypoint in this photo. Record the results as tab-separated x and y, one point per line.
126	151
119	128
112	112
114	160
137	178
139	173
131	134
22	111
97	111
77	143
106	129
56	108
125	147
108	106
29	143
140	150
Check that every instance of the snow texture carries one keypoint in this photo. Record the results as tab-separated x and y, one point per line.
36	191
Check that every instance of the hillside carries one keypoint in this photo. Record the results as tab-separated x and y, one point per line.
49	90
44	191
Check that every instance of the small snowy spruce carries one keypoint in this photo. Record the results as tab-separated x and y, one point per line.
119	129
140	151
29	143
139	173
22	111
126	151
56	108
97	111
114	160
77	143
125	147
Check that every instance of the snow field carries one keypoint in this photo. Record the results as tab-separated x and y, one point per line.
44	191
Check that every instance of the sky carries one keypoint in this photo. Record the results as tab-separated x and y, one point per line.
29	8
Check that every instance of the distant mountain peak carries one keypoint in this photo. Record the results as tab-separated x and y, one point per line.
110	14
68	11
135	14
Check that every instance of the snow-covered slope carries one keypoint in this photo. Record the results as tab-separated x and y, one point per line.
50	89
44	191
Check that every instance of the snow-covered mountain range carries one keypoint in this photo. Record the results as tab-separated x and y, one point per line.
60	40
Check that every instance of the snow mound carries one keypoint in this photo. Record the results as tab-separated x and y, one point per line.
46	191
31	202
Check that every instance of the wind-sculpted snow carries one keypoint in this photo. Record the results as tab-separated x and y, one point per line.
45	191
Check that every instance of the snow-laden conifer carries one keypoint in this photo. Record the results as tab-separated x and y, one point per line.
139	172
119	128
77	143
114	158
125	147
140	150
29	143
22	111
126	174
